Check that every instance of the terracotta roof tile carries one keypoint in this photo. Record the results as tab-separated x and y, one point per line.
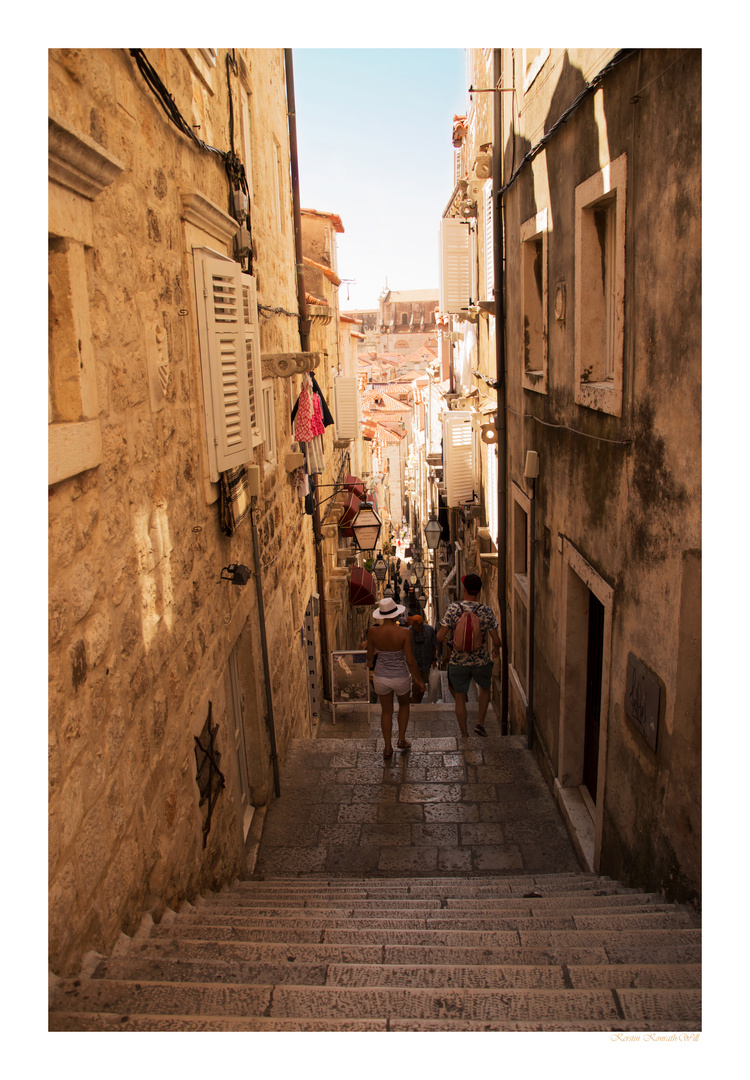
334	218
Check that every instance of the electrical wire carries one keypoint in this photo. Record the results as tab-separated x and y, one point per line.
588	89
565	427
263	308
234	167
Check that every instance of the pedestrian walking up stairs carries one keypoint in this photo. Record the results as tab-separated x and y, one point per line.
534	952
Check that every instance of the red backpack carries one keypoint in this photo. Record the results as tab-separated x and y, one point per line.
467	633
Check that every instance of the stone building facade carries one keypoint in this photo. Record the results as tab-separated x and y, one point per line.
593	168
404	321
148	636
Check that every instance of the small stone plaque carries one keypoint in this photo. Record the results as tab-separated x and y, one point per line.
643	700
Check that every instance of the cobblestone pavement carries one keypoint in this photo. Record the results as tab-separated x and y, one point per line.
447	806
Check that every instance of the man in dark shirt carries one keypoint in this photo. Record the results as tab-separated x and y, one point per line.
424	647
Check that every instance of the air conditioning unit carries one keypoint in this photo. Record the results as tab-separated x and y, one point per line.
483	166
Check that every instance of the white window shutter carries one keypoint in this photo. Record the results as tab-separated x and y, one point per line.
458	458
455	266
223	349
489	251
346	406
252	352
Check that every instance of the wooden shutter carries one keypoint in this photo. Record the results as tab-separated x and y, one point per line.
458	457
223	349
346	406
489	251
455	266
252	353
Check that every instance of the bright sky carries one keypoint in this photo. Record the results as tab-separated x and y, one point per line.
374	137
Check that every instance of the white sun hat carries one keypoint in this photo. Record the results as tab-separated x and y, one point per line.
388	609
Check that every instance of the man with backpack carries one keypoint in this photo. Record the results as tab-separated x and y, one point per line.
468	622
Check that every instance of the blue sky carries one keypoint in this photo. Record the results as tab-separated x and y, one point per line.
374	136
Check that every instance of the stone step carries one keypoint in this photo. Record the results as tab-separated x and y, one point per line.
423	905
487	976
335	919
315	953
669	1006
354	935
133	1022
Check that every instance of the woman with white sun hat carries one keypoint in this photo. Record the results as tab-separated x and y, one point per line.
395	659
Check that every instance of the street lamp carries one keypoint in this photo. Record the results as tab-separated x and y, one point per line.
380	569
366	526
432	532
418	567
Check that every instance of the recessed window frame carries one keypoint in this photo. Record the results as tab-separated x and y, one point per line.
535	303
270	455
600	213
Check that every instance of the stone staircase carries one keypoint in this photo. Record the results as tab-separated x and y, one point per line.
534	952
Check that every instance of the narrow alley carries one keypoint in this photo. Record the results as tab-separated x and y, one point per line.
279	487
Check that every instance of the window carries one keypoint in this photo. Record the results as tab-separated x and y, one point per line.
459	458
534	301
489	250
533	59
404	319
346	406
230	360
79	170
269	423
520	557
457	265
600	288
252	355
491	493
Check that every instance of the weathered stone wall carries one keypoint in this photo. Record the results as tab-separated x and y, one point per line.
624	491
140	624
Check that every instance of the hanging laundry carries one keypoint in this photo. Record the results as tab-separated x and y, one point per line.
324	410
314	454
309	413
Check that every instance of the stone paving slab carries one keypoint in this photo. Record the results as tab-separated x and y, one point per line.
132	1022
665	976
449	806
489	976
446	1003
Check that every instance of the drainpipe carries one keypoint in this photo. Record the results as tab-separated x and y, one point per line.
304	337
264	650
502	450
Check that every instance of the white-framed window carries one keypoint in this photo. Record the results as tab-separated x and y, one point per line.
534	302
252	354
346	406
230	360
488	261
490	489
532	61
459	458
457	265
269	418
600	205
520	561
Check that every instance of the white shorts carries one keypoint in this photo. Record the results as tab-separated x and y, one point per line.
385	684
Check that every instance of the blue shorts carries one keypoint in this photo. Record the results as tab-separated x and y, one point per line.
460	676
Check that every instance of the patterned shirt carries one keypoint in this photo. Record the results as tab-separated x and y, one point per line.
488	622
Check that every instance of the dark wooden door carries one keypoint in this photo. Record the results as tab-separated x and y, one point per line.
593	695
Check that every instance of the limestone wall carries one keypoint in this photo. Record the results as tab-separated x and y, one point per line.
140	625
